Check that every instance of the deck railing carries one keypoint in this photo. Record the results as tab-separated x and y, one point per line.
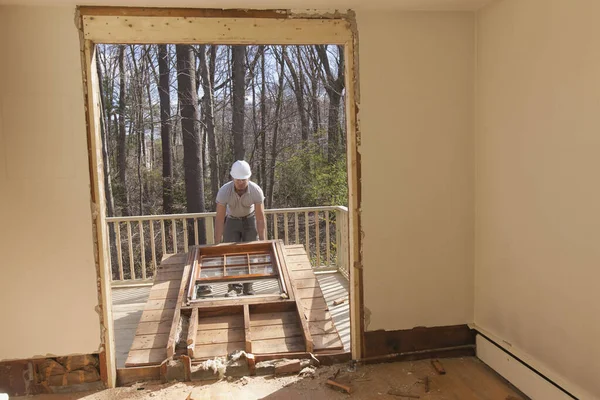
137	243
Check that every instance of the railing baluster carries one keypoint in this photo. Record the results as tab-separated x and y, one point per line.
338	238
119	252
174	231
143	249
153	247
164	239
306	243
275	230
185	235
327	242
130	241
285	227
318	243
209	228
296	226
196	232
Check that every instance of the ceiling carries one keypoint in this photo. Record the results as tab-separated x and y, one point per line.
431	5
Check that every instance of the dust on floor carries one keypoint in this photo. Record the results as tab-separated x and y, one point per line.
465	379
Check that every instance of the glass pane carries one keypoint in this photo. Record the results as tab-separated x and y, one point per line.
212	261
234	271
236	260
261	269
211	272
260	258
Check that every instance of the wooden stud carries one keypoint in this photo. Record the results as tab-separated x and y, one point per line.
438	367
275	227
192	332
196	243
337	385
318	244
248	338
306	234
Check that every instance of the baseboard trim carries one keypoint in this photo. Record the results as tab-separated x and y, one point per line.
518	372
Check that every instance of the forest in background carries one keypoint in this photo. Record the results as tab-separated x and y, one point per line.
175	117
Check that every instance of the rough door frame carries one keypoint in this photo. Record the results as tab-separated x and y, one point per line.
214	26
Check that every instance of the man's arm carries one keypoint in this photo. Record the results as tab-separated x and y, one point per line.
220	222
261	225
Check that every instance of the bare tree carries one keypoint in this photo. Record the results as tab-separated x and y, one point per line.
238	55
278	102
121	142
209	119
165	128
334	86
192	143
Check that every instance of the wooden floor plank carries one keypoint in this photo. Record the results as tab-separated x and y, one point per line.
178	258
317	315
217	350
307	293
154	327
157	315
321	327
152	341
168	276
277	318
285	345
215	336
160	294
275	331
306	283
162	304
329	341
138	358
220	322
314	303
168	285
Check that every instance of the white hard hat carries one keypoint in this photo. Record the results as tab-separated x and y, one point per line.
240	170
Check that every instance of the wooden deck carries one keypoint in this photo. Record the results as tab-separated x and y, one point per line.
146	312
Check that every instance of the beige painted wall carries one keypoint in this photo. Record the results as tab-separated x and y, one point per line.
47	283
537	194
416	117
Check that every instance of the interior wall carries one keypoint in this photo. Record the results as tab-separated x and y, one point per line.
48	284
416	116
537	193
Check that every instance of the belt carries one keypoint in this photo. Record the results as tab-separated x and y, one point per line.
242	218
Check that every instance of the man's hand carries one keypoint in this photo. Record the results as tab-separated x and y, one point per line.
261	225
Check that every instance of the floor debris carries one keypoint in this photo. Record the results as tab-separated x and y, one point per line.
340	386
308	372
426	384
438	367
396	392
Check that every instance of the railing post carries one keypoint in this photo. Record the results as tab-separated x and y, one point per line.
338	239
209	225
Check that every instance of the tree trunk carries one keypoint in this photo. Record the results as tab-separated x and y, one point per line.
209	120
122	145
237	124
263	117
298	93
334	87
165	128
275	129
192	146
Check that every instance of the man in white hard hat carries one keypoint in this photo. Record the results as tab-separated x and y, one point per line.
240	214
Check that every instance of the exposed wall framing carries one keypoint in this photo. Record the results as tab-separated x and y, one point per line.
176	25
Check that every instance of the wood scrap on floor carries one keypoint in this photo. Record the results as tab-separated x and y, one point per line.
438	367
396	392
336	385
341	300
